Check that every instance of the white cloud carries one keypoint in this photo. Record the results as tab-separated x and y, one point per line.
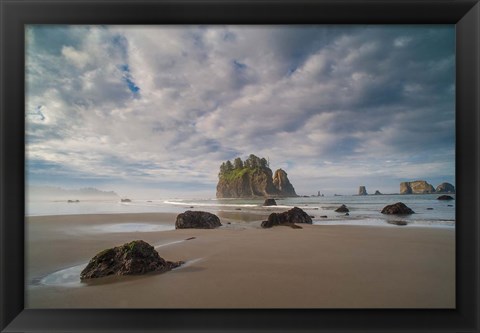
78	58
170	103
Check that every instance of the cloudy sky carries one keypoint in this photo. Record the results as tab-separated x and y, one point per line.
154	110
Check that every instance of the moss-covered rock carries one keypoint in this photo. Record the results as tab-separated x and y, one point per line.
133	258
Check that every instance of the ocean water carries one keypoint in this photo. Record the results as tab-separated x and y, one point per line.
364	210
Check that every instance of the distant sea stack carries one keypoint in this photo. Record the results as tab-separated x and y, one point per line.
416	187
252	178
445	188
362	190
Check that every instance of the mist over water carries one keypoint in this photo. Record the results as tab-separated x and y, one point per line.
363	209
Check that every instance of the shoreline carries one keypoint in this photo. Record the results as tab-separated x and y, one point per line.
319	266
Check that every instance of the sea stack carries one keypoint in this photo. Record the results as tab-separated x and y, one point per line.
362	190
445	188
282	184
416	187
252	178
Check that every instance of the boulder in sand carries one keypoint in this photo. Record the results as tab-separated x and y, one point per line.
398	208
288	218
197	220
134	258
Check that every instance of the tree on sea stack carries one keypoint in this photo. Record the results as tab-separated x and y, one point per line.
238	163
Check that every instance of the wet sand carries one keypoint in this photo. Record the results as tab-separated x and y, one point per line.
242	266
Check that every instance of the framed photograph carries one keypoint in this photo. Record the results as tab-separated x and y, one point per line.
240	166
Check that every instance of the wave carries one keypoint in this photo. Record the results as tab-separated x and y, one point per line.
186	203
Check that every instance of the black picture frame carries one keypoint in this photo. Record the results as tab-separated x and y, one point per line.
465	14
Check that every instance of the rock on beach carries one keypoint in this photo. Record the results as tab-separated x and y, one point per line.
197	220
342	209
445	197
134	258
398	208
288	218
269	202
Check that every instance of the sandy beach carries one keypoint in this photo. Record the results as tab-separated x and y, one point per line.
242	266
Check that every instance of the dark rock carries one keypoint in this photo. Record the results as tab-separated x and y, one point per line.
362	190
134	258
445	197
346	214
190	238
238	209
324	216
429	208
445	188
398	222
449	205
342	209
398	208
312	216
377	192
125	200
197	220
292	216
269	202
73	201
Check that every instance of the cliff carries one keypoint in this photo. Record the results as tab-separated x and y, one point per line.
252	178
282	184
416	187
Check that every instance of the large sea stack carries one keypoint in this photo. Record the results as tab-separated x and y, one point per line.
416	187
252	178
